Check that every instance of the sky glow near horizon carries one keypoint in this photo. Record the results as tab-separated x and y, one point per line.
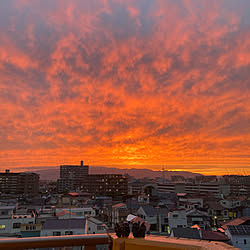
135	83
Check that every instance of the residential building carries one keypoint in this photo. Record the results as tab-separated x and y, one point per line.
177	219
149	214
19	183
119	213
56	227
6	212
182	218
30	230
71	177
76	178
105	184
95	226
12	226
239	236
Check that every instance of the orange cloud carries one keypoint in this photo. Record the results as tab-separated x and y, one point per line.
127	83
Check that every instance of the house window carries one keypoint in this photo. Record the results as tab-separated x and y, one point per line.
175	215
16	225
56	233
245	242
179	226
2	227
68	232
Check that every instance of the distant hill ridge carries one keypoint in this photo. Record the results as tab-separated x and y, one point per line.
54	172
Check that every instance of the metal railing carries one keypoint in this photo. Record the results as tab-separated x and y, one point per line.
88	241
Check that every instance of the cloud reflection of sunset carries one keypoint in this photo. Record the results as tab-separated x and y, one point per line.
126	83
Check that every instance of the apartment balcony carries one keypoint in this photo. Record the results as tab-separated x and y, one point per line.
97	241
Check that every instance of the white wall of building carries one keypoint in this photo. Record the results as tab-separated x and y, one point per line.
11	227
177	218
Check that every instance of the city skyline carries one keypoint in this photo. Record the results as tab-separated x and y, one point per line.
131	84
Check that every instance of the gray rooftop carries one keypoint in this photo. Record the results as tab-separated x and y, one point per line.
64	224
190	233
239	229
149	210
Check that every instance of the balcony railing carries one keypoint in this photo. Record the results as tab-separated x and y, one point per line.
89	241
167	243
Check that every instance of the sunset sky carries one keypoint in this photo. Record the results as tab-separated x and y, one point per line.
126	83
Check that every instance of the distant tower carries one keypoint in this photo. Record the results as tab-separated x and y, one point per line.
163	174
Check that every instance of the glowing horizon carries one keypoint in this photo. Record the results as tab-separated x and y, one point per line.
125	83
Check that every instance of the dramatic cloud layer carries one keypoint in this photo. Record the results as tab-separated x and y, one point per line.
135	82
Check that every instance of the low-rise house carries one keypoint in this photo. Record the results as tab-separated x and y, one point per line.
45	214
190	203
239	236
11	226
56	227
186	218
74	198
217	212
162	219
177	219
95	226
30	230
73	226
7	211
119	213
200	218
149	214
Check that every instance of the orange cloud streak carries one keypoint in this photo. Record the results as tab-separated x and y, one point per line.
127	83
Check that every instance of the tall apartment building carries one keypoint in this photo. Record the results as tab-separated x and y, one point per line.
71	176
19	183
76	177
109	184
74	171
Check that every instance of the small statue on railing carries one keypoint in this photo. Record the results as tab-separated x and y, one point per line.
118	230
123	229
139	230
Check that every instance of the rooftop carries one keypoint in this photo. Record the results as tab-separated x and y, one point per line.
64	224
236	222
190	233
239	230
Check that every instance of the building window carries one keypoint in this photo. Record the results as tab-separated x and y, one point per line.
68	232
56	233
175	215
245	242
2	227
16	225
